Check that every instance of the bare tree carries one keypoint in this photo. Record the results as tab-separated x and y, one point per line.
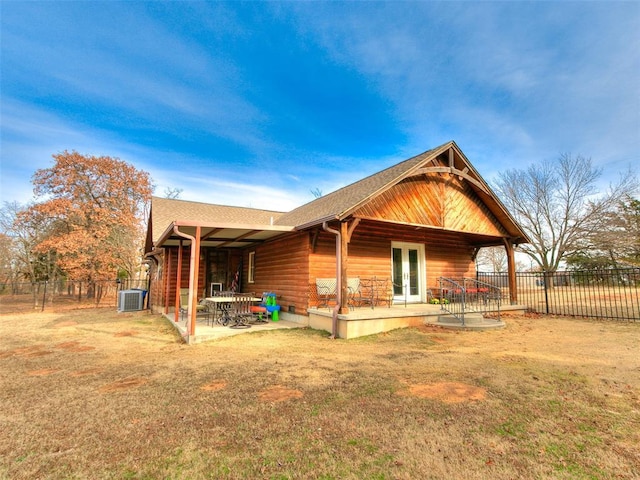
493	259
172	193
25	232
557	204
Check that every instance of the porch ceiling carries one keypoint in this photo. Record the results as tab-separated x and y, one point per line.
221	234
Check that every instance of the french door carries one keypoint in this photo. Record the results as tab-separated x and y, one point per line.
408	271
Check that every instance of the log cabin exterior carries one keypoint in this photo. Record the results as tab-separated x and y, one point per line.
414	222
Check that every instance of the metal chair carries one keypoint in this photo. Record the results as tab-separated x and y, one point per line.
202	309
241	314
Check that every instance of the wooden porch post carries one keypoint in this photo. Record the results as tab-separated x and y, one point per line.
194	275
178	279
344	254
166	258
511	269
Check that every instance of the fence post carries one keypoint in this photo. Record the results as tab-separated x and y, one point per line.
545	275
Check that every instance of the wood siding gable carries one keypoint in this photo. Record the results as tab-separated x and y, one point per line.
440	200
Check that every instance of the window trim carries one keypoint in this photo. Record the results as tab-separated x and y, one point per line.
251	273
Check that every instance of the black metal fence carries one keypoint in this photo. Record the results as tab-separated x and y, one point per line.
25	296
607	294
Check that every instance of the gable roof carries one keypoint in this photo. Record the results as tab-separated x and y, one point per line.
340	204
237	226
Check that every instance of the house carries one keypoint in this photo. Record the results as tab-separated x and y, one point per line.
422	219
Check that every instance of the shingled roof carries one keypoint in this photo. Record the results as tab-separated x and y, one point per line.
339	204
165	213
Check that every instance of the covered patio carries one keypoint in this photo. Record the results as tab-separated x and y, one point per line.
360	321
207	331
192	238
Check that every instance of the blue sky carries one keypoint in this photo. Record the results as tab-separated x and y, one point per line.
258	103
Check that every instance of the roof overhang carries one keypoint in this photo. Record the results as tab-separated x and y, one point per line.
220	235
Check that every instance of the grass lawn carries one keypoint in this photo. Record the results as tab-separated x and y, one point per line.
96	394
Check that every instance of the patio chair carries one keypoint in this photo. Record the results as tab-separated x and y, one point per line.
240	312
326	291
383	291
202	310
354	295
367	292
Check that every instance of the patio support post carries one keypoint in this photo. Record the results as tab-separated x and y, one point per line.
334	322
344	256
166	258
178	284
511	269
194	270
193	279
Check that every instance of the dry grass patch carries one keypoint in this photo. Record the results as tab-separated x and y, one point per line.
126	333
544	398
449	392
124	384
42	372
278	393
214	386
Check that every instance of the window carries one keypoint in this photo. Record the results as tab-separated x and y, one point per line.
252	267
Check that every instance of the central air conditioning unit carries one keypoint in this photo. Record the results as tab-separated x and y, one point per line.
130	300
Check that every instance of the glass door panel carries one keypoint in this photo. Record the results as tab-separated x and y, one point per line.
407	271
398	289
414	288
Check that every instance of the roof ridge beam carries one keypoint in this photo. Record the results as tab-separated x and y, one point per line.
453	171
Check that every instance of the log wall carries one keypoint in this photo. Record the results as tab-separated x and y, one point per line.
446	253
281	267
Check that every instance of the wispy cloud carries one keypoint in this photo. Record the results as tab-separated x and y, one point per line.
224	99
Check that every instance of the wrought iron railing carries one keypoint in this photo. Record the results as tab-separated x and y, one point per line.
482	297
458	297
452	297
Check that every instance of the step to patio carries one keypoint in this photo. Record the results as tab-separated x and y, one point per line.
472	321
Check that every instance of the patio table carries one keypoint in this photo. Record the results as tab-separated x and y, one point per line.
223	303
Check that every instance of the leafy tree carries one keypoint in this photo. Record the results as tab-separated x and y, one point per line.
558	205
630	226
94	204
616	243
